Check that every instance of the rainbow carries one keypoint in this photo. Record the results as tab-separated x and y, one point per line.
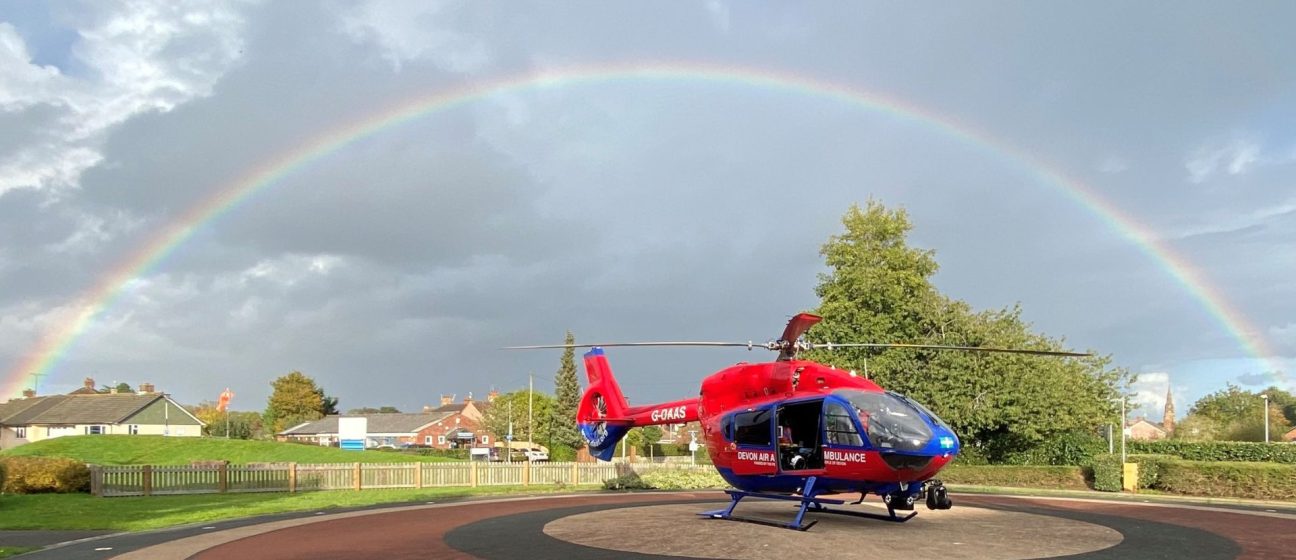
56	344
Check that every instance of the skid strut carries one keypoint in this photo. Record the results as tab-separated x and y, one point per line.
809	501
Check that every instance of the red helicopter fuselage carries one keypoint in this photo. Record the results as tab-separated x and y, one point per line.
770	426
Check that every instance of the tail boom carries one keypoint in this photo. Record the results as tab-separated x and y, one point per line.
604	416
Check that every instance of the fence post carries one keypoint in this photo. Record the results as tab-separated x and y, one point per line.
526	474
418	475
147	479
358	479
292	478
96	481
472	475
222	477
575	473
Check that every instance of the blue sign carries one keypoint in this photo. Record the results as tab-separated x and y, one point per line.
352	444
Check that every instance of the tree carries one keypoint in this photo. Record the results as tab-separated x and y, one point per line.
328	405
643	438
295	399
878	289
371	410
566	399
1240	415
496	417
242	425
122	387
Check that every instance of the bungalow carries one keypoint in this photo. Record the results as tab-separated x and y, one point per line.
34	418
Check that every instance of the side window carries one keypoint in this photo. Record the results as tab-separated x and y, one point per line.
841	431
752	428
726	427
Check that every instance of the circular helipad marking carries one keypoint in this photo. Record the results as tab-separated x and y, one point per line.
967	532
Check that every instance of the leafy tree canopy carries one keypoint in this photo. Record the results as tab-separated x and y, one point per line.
879	289
372	410
1239	415
295	399
496	417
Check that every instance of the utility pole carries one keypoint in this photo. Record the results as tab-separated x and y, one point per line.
1123	431
508	439
530	404
1266	415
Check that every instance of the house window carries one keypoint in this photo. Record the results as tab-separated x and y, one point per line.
134	429
440	440
427	440
94	430
485	440
21	432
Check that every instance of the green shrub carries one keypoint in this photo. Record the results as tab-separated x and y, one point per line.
1107	472
34	475
1075	448
1264	481
1248	451
625	482
430	452
2	475
1150	468
677	479
1028	476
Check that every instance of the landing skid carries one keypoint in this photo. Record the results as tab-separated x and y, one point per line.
809	502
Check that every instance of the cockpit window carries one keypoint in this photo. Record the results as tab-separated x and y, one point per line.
925	410
890	422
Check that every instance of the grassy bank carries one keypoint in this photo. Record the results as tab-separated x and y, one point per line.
83	512
159	450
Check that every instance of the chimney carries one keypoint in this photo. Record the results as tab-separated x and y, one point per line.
89	383
447	399
491	396
29	393
145	388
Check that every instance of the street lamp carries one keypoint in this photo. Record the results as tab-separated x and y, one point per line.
1266	415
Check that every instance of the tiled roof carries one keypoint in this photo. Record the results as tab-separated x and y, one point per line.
379	423
74	409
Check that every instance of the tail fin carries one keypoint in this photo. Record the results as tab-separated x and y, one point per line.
602	414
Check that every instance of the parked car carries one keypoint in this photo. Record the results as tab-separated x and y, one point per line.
536	455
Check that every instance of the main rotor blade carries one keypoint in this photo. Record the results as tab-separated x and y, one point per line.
831	345
739	344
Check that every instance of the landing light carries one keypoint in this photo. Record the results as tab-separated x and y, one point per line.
946	442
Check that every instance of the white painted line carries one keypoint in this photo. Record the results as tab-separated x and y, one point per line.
104	548
208	528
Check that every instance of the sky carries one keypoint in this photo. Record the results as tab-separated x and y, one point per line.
383	194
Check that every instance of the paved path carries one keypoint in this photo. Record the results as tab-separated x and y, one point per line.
45	538
660	526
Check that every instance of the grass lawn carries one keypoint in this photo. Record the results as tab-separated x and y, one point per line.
83	511
159	450
7	551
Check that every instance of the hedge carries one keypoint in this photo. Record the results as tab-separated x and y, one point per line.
1031	476
34	475
1107	470
667	479
1263	481
1249	451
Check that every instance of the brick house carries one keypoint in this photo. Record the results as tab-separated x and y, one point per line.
449	426
1143	430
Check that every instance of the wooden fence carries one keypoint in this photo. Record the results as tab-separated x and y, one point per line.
149	480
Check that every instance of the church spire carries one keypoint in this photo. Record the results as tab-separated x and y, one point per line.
1168	420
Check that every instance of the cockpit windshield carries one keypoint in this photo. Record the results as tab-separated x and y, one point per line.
891	421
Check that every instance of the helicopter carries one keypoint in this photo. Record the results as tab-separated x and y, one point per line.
793	429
